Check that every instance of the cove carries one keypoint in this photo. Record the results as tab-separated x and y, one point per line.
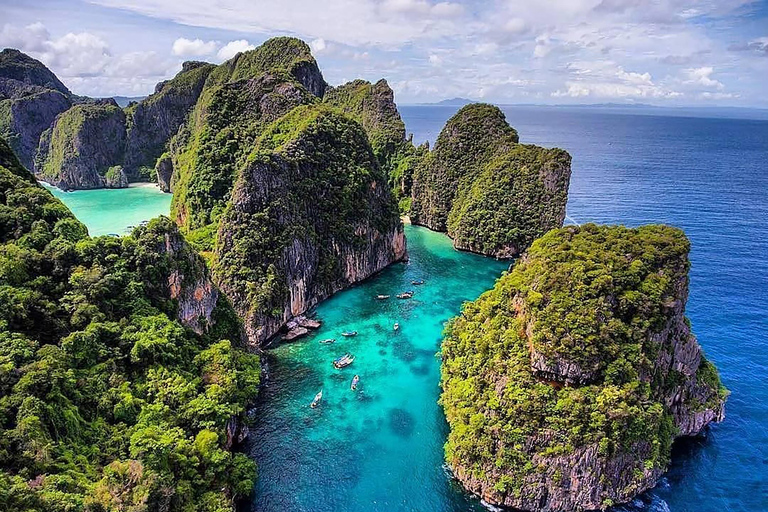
380	447
106	211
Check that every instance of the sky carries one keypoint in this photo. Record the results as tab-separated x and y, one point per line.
660	52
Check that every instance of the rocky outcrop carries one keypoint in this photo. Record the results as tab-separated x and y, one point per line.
491	194
24	119
189	281
310	215
84	143
240	98
373	106
21	75
30	99
566	384
155	119
164	172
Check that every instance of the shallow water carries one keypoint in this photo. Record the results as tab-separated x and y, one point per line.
380	447
106	211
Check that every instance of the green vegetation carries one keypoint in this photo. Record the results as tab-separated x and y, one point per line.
562	354
85	140
310	180
226	122
108	402
515	198
373	106
490	193
466	142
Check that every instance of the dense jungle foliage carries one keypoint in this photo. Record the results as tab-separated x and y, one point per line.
107	402
591	296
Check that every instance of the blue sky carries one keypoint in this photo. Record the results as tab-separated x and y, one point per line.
663	52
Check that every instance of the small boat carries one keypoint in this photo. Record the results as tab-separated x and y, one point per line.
317	399
349	334
382	297
396	326
328	340
405	295
343	361
418	282
355	380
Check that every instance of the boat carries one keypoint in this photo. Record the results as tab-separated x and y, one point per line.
382	297
355	380
418	282
343	361
328	340
396	326
318	397
349	334
405	295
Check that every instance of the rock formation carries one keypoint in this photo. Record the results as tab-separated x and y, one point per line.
310	215
30	99
154	120
491	194
565	386
83	144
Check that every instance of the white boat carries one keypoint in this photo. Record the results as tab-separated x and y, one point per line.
396	326
355	380
317	399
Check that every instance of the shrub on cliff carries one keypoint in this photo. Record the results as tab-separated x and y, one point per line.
566	384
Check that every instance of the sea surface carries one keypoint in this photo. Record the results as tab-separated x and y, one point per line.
115	211
380	448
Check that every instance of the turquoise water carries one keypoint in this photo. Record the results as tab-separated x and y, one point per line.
378	448
106	211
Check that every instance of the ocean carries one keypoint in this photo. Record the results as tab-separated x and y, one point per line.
380	448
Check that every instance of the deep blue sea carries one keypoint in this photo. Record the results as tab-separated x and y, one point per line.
710	178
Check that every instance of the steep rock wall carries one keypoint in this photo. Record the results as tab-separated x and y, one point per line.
566	384
310	215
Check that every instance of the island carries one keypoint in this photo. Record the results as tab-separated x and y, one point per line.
565	385
491	194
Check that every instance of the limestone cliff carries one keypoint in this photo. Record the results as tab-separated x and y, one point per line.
373	106
565	386
310	214
240	98
30	99
491	194
154	120
84	143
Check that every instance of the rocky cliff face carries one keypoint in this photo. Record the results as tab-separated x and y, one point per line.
84	143
566	384
154	120
21	74
310	215
491	194
30	99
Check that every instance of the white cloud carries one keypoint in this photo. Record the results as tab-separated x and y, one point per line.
702	76
232	48
318	45
183	47
435	60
